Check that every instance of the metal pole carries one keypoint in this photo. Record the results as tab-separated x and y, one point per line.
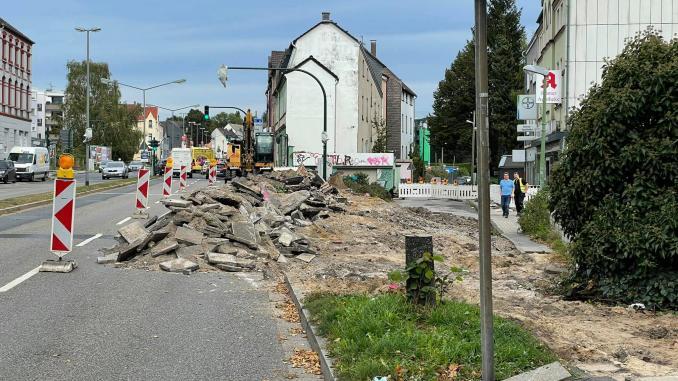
542	158
87	112
143	117
486	323
473	152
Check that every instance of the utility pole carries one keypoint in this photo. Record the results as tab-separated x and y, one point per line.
473	150
486	323
87	31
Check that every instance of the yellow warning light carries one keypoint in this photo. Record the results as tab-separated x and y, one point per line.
170	162
65	170
213	162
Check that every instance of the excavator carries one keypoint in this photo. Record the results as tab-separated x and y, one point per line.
253	154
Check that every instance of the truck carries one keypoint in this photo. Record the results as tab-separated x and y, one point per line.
30	162
181	156
200	157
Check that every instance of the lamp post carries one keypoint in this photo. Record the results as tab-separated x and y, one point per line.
143	91
87	31
190	128
183	118
222	74
544	72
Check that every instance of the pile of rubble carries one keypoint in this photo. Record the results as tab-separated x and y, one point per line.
232	227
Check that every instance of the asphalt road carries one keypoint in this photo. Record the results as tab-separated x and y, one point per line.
23	188
100	322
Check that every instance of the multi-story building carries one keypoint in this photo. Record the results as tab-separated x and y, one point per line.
422	137
46	116
362	93
576	36
15	88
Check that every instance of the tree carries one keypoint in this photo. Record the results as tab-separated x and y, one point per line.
112	123
614	191
379	126
453	104
506	43
454	100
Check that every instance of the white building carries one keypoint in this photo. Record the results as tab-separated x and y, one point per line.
356	86
46	115
576	36
221	136
15	88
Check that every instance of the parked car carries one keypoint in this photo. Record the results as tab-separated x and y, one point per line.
135	165
30	162
7	171
102	165
221	169
115	169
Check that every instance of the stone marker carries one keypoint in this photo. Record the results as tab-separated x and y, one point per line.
549	372
133	232
188	236
164	247
305	257
178	265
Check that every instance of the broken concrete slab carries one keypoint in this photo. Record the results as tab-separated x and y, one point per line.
229	268
286	238
245	232
133	232
219	258
176	202
188	236
182	217
110	258
128	250
190	251
294	201
305	257
164	247
549	372
179	265
150	221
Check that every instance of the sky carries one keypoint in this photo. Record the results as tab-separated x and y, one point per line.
148	42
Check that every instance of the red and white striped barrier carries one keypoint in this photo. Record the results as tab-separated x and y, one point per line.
167	182
63	216
142	189
212	174
182	178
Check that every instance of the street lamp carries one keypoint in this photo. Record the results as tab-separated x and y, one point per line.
183	118
87	31
222	74
544	72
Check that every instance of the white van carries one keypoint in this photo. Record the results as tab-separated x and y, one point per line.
181	156
30	162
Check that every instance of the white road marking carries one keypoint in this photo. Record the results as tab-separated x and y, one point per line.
88	240
157	202
123	221
18	280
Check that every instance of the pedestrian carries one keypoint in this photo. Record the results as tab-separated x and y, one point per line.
506	187
519	190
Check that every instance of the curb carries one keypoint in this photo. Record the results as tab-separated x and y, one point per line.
314	339
17	208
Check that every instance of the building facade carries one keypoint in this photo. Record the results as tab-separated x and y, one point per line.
15	88
46	116
359	89
576	36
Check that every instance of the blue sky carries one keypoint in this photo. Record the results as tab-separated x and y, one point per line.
147	42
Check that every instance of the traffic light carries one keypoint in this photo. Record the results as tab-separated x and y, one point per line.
154	144
207	113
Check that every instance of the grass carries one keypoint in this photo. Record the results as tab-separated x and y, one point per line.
385	335
46	196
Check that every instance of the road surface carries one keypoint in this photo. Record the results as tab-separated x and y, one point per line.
100	322
24	188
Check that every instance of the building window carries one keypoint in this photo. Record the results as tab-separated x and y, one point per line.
39	122
150	124
39	106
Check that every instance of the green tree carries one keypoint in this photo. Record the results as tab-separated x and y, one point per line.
379	126
112	123
506	44
453	104
614	191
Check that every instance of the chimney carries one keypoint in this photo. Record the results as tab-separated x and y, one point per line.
326	16
373	47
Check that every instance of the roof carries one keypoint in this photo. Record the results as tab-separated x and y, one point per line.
326	22
377	69
5	25
149	110
311	58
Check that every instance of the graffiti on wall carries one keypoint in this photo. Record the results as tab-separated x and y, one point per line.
347	160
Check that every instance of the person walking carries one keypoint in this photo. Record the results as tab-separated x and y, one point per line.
506	187
519	190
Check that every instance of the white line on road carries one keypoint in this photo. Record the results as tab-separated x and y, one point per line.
123	221
88	240
18	280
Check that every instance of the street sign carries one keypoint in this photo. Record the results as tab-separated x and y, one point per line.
144	155
527	138
553	89
527	127
518	155
527	107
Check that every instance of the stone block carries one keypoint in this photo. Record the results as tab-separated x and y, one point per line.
245	233
164	247
133	232
190	251
305	257
177	203
110	258
188	236
549	372
179	265
286	238
294	201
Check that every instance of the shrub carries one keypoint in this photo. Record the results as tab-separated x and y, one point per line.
614	191
359	183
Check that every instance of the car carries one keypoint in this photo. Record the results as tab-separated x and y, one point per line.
7	171
115	169
102	165
221	170
136	165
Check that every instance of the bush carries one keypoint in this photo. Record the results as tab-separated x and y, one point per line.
614	191
535	218
359	183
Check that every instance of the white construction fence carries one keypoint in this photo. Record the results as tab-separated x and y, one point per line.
455	192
